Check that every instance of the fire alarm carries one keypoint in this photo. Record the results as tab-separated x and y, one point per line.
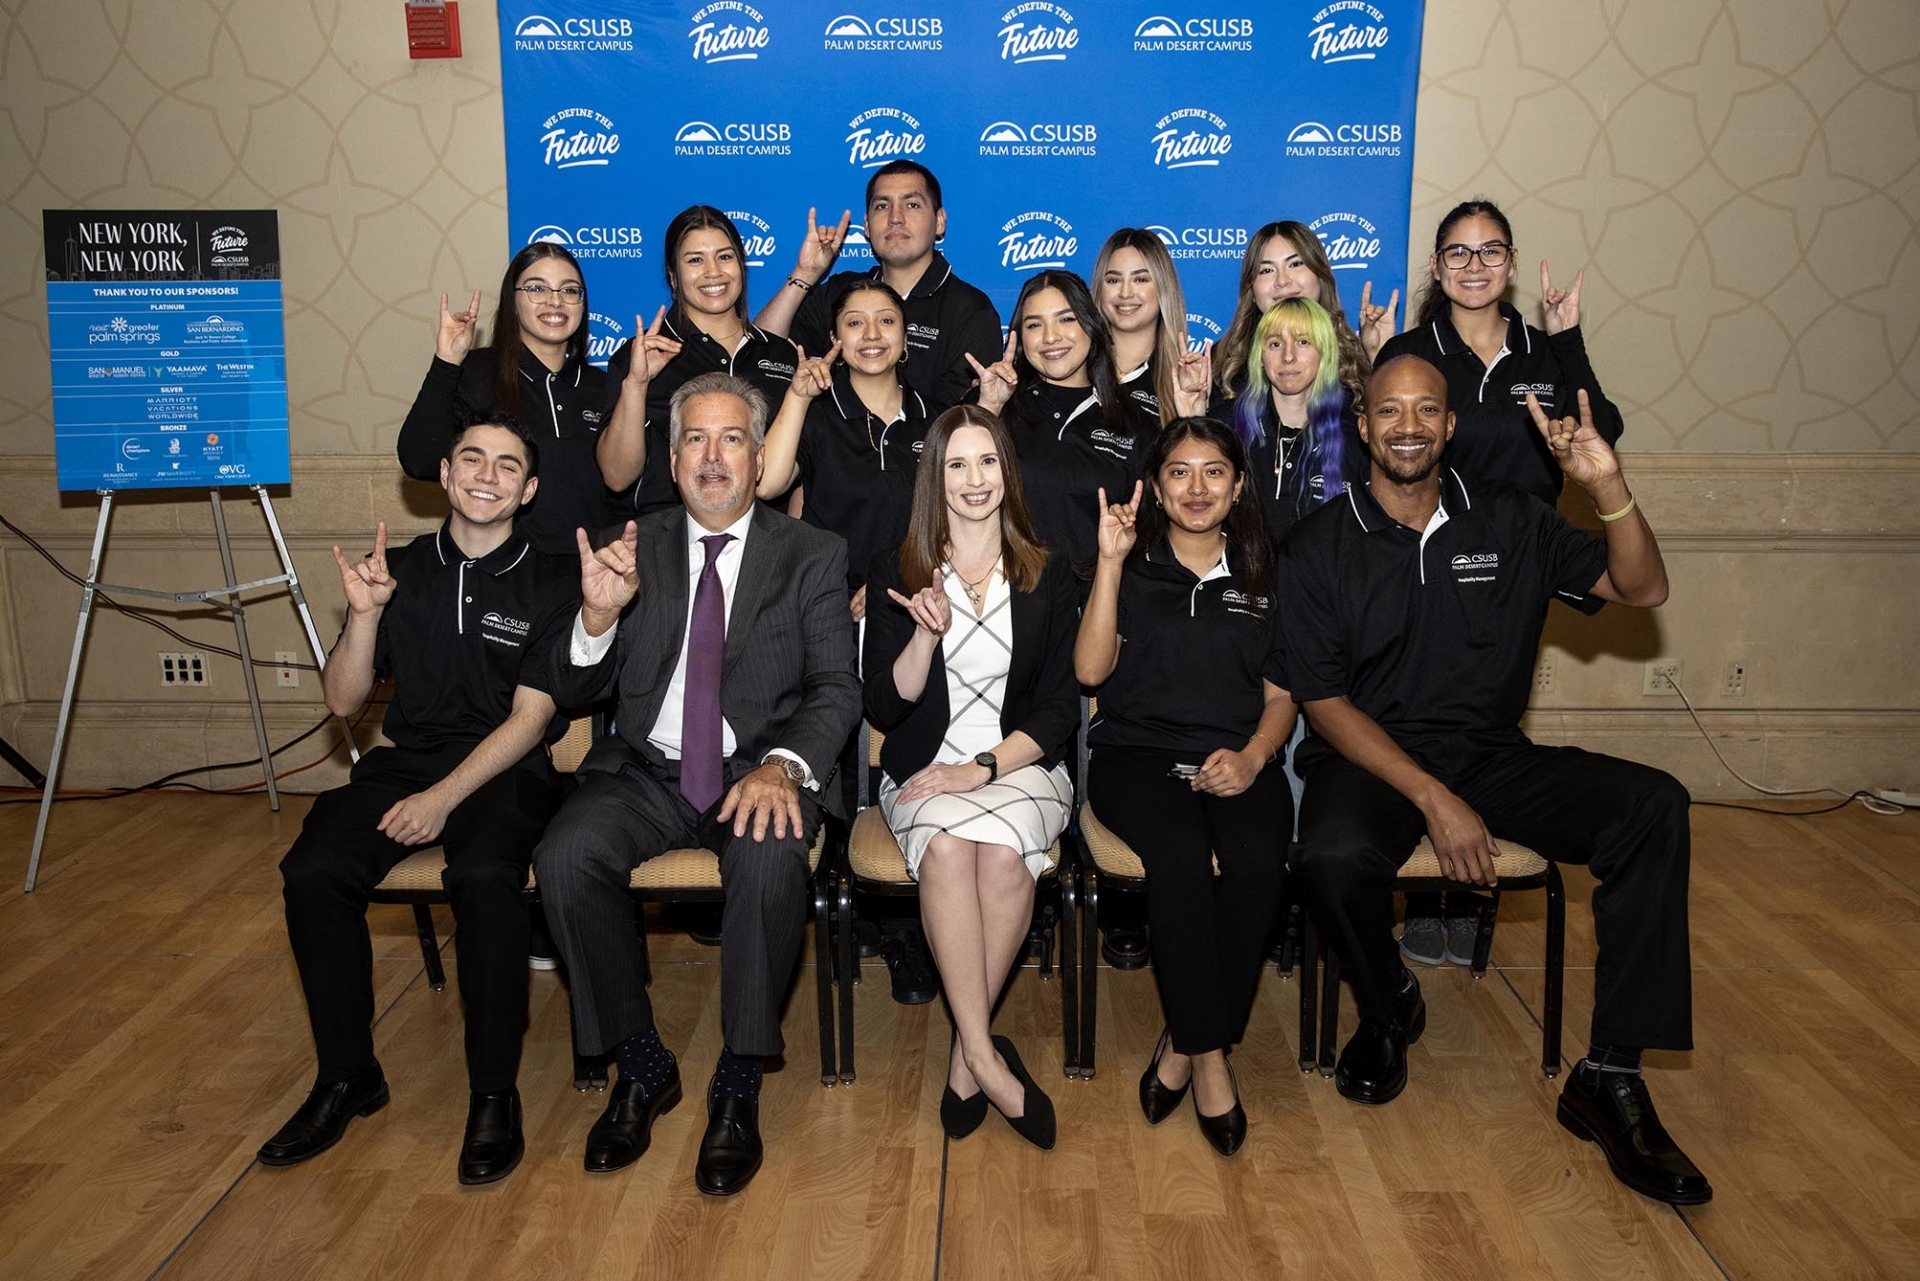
433	29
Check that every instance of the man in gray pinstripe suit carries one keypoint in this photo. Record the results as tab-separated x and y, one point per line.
723	631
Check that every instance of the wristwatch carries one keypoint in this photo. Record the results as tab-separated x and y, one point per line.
790	767
992	763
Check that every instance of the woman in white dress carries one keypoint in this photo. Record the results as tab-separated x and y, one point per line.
969	670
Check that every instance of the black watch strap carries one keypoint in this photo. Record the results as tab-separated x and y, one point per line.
992	763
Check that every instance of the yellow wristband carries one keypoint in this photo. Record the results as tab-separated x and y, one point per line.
1632	502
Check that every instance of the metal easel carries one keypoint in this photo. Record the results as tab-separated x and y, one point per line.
225	598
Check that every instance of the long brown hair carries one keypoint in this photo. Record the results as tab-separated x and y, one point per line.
1433	299
1230	353
924	549
506	344
1170	333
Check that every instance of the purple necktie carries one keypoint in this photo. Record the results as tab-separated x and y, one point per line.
701	768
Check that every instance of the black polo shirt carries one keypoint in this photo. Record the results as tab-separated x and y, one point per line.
1431	634
460	635
1142	388
563	411
1494	437
765	360
1193	654
946	317
858	471
1068	453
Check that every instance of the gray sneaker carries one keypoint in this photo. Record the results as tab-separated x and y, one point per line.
1461	933
1424	940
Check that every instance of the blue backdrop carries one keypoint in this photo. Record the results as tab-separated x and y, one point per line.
1049	125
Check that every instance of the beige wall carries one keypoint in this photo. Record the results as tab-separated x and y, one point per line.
1741	182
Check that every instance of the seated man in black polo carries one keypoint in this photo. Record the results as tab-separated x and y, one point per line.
465	620
1411	612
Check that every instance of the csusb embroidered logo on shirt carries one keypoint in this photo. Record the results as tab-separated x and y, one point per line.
1238	602
779	369
514	629
1542	392
1111	442
1476	567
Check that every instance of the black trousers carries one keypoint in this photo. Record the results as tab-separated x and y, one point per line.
1209	934
1627	822
615	822
340	857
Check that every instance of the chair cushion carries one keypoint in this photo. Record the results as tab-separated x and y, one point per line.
875	856
1111	854
698	869
417	873
1515	861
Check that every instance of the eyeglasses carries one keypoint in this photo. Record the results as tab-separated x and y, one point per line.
566	293
1493	253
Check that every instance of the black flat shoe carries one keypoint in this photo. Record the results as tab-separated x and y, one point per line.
960	1117
1158	1099
323	1118
1228	1130
730	1150
1125	947
1373	1065
493	1144
1035	1122
625	1129
1614	1110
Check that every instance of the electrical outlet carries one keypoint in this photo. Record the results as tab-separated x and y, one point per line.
1543	673
183	668
1660	676
1734	683
288	676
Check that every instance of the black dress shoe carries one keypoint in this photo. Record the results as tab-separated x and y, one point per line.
1124	947
1157	1099
960	1117
624	1130
911	967
493	1144
323	1118
1228	1130
1035	1123
1373	1066
1614	1110
730	1150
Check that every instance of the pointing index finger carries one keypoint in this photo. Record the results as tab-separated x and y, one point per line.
1539	416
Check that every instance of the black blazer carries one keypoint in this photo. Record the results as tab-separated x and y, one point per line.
788	678
1042	698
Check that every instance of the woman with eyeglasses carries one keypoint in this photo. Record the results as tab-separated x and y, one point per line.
536	369
1286	260
1492	358
704	329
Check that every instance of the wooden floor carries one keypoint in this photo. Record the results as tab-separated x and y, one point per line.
152	1035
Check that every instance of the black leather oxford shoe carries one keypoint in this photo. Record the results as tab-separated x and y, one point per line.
1373	1066
625	1129
323	1118
1614	1110
493	1144
730	1150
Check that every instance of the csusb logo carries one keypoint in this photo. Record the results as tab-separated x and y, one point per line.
856	249
1201	330
1037	240
728	31
1007	138
1037	31
1311	138
1351	241
229	246
578	136
884	134
1347	31
1190	137
604	336
1163	34
591	242
1202	242
742	138
755	236
537	32
851	32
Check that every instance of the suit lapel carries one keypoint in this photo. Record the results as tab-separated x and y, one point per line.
671	601
757	562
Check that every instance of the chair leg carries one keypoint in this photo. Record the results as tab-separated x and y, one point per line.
849	972
1330	1012
1483	934
1289	958
429	946
1047	919
1090	985
1069	978
823	973
1556	972
1309	995
646	957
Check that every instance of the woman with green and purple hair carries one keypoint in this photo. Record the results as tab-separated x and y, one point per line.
1294	414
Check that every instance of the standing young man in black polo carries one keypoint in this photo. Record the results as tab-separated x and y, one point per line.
1412	611
464	619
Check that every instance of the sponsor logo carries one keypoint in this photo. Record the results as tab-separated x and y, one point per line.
728	31
229	247
737	138
1351	241
1347	31
756	237
1202	242
1210	33
882	135
122	330
133	450
1312	139
577	137
852	33
1189	138
1037	240
604	336
233	469
1010	138
506	623
1037	31
590	242
173	447
537	32
1479	567
1201	330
